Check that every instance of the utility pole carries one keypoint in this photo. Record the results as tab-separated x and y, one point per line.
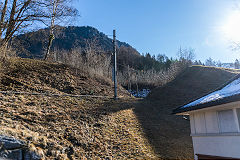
129	81
115	64
137	84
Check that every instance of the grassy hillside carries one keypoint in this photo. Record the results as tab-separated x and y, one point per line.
39	76
170	134
68	127
98	128
194	82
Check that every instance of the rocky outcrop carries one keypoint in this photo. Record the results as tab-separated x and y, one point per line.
13	149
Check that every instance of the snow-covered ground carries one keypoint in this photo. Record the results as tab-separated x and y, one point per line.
141	93
231	89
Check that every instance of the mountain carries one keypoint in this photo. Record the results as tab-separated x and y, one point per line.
33	44
72	38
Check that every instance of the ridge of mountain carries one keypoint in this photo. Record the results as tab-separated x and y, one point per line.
33	44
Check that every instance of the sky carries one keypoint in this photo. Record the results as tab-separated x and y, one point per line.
210	27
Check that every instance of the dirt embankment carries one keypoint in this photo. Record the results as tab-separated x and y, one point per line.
40	76
68	127
170	134
80	128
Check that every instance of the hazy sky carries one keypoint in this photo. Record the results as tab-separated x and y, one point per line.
162	26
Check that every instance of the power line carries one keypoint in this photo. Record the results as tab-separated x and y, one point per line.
50	95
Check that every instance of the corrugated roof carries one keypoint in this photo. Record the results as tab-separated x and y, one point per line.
229	92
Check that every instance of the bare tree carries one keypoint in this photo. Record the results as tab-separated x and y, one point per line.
17	15
95	57
210	62
219	63
59	12
186	56
236	64
92	58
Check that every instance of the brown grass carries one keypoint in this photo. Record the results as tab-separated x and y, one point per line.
193	83
66	127
39	76
170	134
75	128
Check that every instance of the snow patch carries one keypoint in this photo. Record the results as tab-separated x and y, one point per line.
231	89
141	93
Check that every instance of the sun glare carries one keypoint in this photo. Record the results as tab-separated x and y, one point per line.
231	27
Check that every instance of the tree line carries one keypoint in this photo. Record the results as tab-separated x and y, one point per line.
214	63
18	16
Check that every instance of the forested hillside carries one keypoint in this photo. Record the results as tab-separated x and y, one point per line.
86	47
33	44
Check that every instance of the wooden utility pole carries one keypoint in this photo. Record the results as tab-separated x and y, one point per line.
115	64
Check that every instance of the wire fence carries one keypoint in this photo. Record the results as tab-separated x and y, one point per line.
52	95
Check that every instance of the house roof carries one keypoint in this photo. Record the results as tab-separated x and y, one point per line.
229	92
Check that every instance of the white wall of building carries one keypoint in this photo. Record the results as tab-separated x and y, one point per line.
211	122
223	146
227	122
216	132
200	123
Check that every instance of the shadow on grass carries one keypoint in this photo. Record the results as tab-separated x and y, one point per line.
169	135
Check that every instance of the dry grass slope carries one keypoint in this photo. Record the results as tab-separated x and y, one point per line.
38	76
194	82
77	128
66	127
169	134
70	128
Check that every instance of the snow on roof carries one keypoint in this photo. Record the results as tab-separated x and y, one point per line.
231	89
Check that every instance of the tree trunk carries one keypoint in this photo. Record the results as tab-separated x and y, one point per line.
11	23
51	36
3	17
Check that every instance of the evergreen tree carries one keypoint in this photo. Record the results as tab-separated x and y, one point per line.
236	64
